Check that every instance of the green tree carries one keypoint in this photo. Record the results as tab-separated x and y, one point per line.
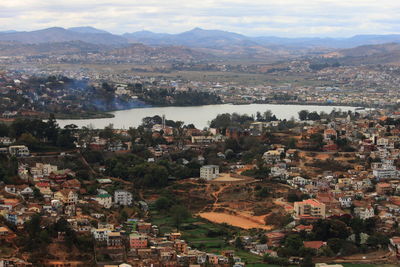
179	215
239	243
303	115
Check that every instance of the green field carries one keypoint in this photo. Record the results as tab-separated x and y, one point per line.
196	232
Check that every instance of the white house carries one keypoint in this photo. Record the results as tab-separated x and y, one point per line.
19	151
123	197
364	213
345	201
209	172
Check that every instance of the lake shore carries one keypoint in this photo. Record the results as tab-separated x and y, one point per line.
200	116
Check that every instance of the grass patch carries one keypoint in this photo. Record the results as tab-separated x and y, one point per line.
205	236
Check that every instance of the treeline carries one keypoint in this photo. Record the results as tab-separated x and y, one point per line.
38	134
149	174
38	235
226	120
315	116
344	236
164	97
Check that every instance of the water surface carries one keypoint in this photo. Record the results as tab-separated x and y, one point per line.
200	116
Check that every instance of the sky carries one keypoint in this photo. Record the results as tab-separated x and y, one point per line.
286	18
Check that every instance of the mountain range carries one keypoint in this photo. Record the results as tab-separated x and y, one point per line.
196	38
196	44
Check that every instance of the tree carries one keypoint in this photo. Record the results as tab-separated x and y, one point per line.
263	239
179	215
239	243
163	203
268	116
123	216
28	140
378	240
303	115
52	128
307	262
65	139
327	229
313	116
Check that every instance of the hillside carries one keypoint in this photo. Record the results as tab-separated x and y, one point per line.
58	35
136	51
41	49
368	54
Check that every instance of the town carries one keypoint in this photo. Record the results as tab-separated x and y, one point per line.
321	189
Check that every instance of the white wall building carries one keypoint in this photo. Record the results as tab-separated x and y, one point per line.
209	172
123	197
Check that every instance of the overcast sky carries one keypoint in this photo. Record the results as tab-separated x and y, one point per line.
290	18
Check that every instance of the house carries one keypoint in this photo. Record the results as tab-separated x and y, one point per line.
72	184
67	196
395	244
11	189
272	156
309	208
104	200
300	181
137	241
364	212
123	198
209	172
301	227
44	188
14	262
314	244
143	227
345	201
330	134
114	239
101	234
43	170
19	151
5	233
383	188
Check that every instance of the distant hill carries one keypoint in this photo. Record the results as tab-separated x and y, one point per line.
367	54
193	38
216	39
87	29
58	35
40	49
214	44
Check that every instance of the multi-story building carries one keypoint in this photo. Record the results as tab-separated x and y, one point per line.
123	197
19	151
104	200
137	241
310	208
364	212
209	172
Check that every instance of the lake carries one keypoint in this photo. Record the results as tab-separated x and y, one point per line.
200	116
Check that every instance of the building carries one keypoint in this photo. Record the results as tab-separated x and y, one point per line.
104	200
114	239
364	212
272	156
383	188
67	196
19	151
209	172
123	197
310	208
137	241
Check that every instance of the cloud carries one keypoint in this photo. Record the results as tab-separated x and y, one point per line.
250	17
